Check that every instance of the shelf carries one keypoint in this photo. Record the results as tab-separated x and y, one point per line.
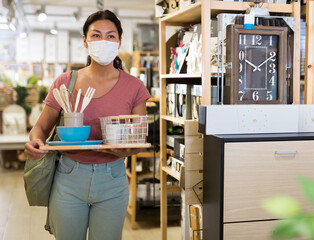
170	172
142	175
153	99
183	75
173	119
221	7
189	15
143	69
192	14
147	53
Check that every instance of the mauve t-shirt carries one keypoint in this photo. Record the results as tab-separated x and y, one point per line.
128	92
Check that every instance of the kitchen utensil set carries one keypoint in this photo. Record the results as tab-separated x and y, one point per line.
62	97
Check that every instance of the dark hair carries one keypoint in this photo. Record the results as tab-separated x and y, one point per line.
104	15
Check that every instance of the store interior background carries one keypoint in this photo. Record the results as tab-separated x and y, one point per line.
28	40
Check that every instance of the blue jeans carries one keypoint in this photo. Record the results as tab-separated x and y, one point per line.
88	196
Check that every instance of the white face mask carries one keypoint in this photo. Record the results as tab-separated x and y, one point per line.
103	52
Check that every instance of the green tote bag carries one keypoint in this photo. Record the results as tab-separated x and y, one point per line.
39	174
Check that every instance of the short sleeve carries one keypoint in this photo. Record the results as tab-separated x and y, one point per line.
142	95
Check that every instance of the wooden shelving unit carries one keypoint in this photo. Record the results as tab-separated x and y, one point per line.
137	55
202	12
133	177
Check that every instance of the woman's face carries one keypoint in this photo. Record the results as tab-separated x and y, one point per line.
102	30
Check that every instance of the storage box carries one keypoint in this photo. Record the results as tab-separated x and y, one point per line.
176	164
176	152
172	138
171	100
196	94
183	101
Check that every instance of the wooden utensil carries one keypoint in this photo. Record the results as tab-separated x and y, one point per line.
57	96
78	96
65	97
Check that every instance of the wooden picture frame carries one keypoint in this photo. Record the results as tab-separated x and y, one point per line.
258	65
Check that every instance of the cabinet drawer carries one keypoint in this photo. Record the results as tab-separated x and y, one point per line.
259	170
249	231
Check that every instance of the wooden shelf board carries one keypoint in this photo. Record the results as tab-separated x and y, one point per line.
147	53
155	69
183	75
98	146
142	175
191	14
173	119
173	189
221	7
153	99
147	154
177	120
170	172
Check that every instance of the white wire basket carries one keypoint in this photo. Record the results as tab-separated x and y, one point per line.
124	129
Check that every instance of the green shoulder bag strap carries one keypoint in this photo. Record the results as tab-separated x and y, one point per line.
55	138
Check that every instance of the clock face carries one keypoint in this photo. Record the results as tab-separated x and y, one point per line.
258	67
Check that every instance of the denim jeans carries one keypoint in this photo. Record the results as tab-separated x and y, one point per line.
88	196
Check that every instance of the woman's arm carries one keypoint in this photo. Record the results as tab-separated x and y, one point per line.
39	133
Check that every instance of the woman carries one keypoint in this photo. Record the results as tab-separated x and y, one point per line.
90	189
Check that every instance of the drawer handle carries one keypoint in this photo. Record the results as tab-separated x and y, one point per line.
285	152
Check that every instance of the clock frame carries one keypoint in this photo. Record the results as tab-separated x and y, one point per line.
234	75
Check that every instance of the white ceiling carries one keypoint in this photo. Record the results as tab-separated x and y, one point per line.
61	12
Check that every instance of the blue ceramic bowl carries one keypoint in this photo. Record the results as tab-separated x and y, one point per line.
73	134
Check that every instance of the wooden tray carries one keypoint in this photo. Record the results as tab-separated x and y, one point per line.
97	146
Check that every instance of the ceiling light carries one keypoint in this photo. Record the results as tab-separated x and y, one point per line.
77	15
54	30
12	27
23	35
41	15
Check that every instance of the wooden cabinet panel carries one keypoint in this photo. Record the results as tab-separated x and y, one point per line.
193	144
254	171
193	161
250	230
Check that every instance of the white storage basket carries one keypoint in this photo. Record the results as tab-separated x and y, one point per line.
124	129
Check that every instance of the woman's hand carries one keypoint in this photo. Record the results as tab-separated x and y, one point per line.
32	149
120	152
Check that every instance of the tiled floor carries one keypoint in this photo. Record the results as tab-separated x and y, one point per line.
18	221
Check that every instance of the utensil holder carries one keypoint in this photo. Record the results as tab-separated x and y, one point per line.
73	119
